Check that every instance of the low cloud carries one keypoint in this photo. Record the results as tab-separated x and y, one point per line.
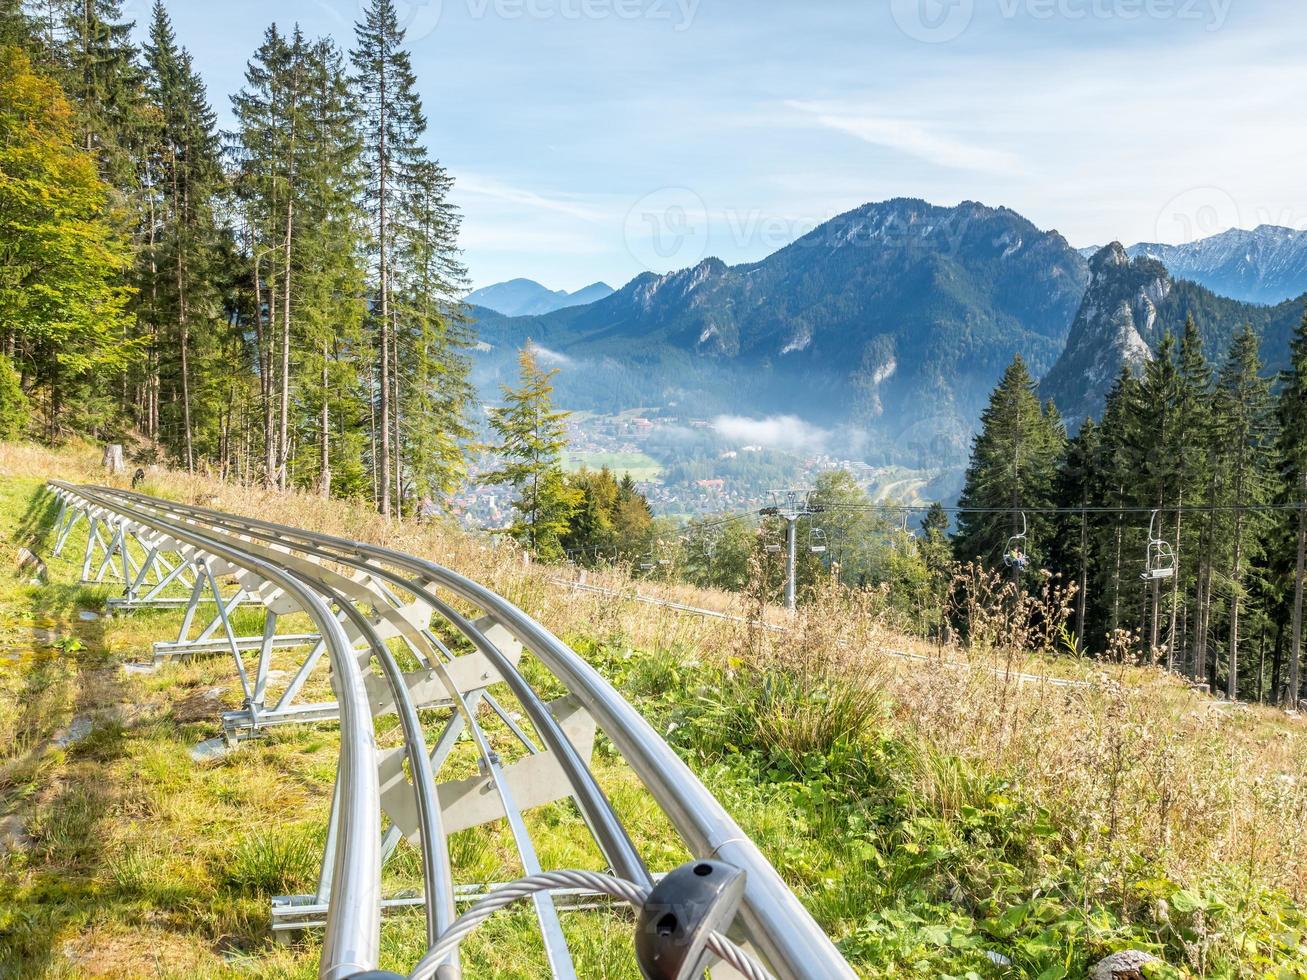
785	432
550	358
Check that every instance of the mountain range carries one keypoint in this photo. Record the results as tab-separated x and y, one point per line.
892	321
526	297
1266	265
1129	305
888	326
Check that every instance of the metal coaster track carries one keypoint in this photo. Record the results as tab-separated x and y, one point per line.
359	598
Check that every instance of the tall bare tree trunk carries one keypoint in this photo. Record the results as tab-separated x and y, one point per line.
283	445
383	281
324	446
1295	645
395	413
1236	598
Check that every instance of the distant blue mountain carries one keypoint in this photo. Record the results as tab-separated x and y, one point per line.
526	297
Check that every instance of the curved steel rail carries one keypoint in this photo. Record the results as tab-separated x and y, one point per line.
771	918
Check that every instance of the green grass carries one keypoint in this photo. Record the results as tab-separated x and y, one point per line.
639	465
919	863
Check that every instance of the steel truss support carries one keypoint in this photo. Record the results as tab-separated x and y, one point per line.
401	645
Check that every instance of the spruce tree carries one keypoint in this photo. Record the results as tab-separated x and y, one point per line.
186	244
1153	436
1013	464
1292	412
392	125
1192	418
431	335
532	436
1075	486
1244	437
99	70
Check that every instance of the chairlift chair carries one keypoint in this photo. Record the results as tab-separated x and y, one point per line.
1014	552
1159	562
817	541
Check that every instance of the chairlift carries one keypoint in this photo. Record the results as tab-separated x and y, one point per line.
1014	552
817	541
770	544
1159	562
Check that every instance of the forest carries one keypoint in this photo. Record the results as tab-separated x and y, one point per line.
1177	522
239	302
280	304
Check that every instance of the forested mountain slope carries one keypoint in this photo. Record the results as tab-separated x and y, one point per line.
894	319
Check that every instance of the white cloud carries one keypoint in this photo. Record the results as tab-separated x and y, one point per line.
784	432
478	185
911	137
550	358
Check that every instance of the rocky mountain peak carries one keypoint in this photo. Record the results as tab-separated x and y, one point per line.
1117	325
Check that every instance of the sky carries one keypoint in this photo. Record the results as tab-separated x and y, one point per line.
598	139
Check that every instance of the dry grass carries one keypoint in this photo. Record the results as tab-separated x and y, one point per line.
1128	761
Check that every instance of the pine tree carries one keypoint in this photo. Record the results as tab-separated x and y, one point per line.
1115	538
1244	436
431	336
1192	417
101	74
186	241
532	438
15	26
1292	412
1013	464
1075	487
392	125
1152	433
297	179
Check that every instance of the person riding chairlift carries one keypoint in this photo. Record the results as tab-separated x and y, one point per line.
1016	558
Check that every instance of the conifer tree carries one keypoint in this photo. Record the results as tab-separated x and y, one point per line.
431	336
392	125
1153	435
1013	464
1192	418
1244	437
1292	412
186	243
1075	487
532	436
100	73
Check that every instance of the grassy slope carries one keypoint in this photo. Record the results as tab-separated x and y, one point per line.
926	817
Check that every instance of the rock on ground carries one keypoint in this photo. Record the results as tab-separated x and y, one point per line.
1125	965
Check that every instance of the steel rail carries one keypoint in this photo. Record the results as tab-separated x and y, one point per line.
551	928
774	921
604	823
351	943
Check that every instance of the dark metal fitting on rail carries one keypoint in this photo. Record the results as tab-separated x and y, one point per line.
683	910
